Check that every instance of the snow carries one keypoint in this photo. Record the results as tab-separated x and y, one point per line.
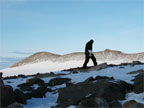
116	72
50	99
47	66
42	102
133	96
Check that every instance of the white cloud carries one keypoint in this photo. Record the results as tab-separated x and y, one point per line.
21	52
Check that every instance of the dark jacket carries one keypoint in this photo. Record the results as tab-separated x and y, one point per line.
88	46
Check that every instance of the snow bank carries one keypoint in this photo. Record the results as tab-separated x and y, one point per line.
48	66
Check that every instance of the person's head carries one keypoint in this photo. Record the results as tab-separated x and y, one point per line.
91	41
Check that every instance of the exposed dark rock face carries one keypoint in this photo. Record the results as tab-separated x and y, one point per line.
20	96
58	81
7	95
110	90
94	103
139	83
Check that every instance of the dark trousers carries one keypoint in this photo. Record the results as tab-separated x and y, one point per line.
87	57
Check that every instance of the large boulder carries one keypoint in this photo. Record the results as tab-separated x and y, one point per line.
7	95
35	80
110	90
58	81
139	83
20	96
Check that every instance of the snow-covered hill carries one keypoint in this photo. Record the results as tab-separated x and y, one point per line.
107	55
43	62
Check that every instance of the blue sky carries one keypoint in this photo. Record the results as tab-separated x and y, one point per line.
64	26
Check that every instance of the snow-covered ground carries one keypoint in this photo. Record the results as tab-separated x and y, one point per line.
50	99
47	66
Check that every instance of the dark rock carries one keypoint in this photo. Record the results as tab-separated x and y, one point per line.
139	83
10	77
87	103
1	79
15	105
113	92
49	90
52	107
51	72
68	84
115	104
58	81
26	87
20	96
133	104
22	76
136	63
111	65
108	90
90	79
73	72
9	82
124	64
35	80
7	95
94	103
137	71
121	67
39	92
103	77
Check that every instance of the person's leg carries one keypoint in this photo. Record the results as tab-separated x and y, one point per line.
94	60
86	61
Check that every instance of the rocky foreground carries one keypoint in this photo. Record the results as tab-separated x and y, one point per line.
94	91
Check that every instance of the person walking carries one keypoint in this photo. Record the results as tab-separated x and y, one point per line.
89	54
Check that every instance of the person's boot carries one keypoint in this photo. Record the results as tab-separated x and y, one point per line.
95	64
84	67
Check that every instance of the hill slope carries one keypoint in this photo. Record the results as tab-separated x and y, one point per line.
107	55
